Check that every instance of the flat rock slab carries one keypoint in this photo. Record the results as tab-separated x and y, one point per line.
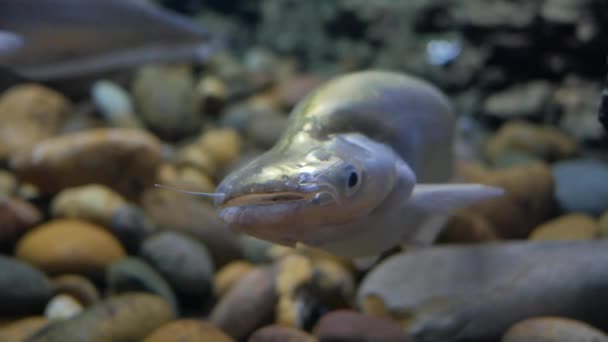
478	291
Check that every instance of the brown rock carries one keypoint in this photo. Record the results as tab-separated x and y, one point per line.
347	325
78	287
552	329
230	275
190	330
543	142
280	333
195	216
193	155
30	113
528	201
20	330
248	305
123	159
94	202
8	183
223	145
185	177
567	227
16	217
70	246
128	317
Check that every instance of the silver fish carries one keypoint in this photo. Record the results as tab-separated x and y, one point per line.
58	39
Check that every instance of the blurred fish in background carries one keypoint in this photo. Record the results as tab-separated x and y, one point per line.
50	40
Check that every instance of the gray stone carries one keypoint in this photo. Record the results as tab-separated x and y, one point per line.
581	186
23	289
133	274
478	291
528	99
183	261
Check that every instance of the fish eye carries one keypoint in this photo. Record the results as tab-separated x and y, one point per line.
353	179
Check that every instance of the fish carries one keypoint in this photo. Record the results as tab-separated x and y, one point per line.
365	164
46	40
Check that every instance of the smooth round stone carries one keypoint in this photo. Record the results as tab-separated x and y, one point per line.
567	227
278	333
223	145
134	274
184	262
266	128
580	186
553	329
131	225
62	307
229	275
128	317
188	330
30	113
78	287
70	246
248	305
23	289
528	99
194	216
111	97
91	202
256	250
124	159
347	325
167	100
16	218
535	141
22	329
8	183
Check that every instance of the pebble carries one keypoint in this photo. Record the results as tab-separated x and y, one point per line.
23	288
567	227
69	246
580	186
184	262
266	127
188	330
349	325
214	94
553	329
132	273
195	216
248	305
293	273
8	183
577	101
78	287
476	292
16	218
62	307
535	141
194	156
101	205
92	202
20	330
223	146
167	100
98	156
30	113
185	177
525	100
279	333
230	275
527	203
256	250
115	104
123	318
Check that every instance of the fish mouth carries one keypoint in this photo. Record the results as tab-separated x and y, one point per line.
268	198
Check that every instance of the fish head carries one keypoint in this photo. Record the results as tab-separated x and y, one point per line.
285	196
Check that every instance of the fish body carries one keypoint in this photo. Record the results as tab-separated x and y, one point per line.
47	40
363	165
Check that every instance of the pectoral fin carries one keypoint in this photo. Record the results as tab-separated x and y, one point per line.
448	198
